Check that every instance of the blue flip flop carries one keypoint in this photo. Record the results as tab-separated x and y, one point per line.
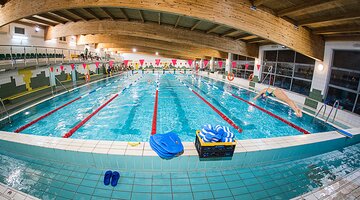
107	177
115	178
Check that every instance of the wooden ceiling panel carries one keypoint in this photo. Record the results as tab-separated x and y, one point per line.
168	18
150	16
205	25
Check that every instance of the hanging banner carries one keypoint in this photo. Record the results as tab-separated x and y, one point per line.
174	62
97	64
111	63
190	62
84	65
61	68
205	63
157	62
51	69
246	66
220	62
233	63
72	66
258	66
126	62
141	62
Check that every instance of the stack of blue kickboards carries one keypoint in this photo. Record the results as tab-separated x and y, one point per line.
216	133
167	146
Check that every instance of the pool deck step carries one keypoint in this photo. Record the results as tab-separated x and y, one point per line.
7	193
348	187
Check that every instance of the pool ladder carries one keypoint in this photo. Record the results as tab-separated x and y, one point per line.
5	110
335	105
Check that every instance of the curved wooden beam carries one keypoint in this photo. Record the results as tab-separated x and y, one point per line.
151	51
113	41
234	13
153	31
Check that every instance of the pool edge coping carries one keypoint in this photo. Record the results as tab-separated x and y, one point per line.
143	148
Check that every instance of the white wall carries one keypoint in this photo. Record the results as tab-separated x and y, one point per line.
33	38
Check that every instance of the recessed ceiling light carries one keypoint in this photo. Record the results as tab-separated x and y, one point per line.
134	50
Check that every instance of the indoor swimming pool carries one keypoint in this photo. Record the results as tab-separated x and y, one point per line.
129	115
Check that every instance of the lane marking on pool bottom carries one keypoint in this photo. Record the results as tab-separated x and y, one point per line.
53	111
75	128
228	120
268	112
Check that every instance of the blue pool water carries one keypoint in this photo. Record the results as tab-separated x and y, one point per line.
129	116
56	180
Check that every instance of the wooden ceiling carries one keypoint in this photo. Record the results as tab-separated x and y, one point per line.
101	13
333	19
297	24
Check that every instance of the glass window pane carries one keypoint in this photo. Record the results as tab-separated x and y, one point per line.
286	56
347	99
250	68
268	66
282	82
304	71
270	55
345	79
347	59
304	59
300	86
285	69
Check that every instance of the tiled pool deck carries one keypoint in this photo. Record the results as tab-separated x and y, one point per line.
66	180
55	180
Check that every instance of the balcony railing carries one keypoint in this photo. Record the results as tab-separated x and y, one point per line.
12	56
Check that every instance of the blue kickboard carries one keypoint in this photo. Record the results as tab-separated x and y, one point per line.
345	133
170	142
166	145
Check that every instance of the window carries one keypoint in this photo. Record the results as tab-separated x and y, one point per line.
19	30
289	70
244	66
63	39
344	84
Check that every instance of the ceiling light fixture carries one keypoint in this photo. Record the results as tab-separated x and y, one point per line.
134	50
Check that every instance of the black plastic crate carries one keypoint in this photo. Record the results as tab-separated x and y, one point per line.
214	149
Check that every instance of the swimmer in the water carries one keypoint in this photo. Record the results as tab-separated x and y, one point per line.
278	93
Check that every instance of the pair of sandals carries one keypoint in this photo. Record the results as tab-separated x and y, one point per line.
111	177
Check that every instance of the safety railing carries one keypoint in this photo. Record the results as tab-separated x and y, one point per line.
19	55
5	110
336	106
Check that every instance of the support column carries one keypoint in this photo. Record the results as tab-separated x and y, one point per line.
73	75
52	78
201	64
228	63
257	72
212	66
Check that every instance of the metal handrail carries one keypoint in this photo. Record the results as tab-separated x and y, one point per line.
61	84
3	105
269	71
335	105
323	106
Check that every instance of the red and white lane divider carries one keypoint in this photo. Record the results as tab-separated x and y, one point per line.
53	111
267	112
154	120
80	124
222	115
